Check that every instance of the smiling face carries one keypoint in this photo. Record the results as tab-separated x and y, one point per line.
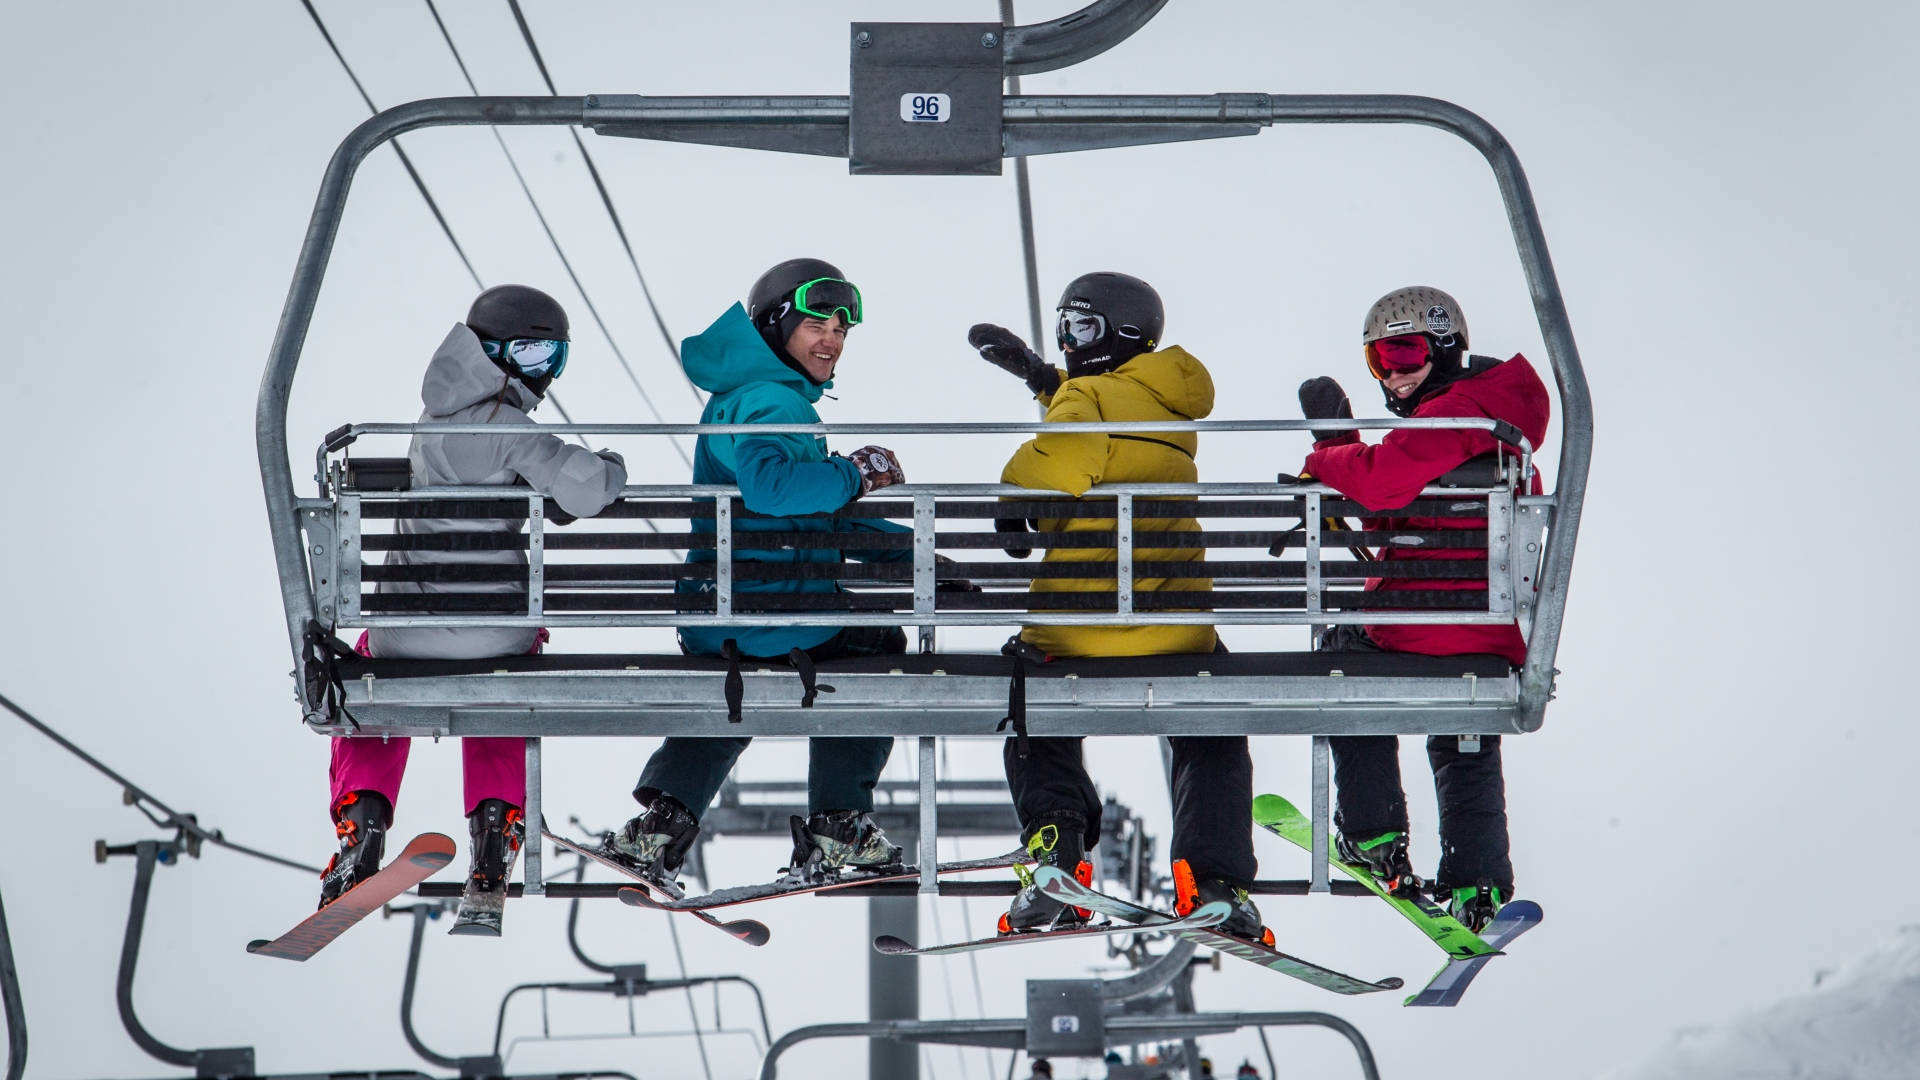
1402	383
815	345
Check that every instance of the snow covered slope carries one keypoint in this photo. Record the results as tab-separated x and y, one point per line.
1861	1023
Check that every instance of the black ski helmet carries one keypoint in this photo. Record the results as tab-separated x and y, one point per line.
1134	314
770	302
505	312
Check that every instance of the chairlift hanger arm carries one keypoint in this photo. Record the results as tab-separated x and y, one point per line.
1082	35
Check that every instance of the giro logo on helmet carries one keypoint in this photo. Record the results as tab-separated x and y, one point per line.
1438	321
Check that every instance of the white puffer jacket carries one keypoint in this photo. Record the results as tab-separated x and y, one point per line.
462	386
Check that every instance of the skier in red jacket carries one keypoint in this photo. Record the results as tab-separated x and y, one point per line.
1415	341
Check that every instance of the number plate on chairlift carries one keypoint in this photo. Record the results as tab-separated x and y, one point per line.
925	108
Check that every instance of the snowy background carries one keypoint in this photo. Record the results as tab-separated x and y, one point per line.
1726	189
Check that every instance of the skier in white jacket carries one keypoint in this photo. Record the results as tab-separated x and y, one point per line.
493	368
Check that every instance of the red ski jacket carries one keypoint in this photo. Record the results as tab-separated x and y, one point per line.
1391	474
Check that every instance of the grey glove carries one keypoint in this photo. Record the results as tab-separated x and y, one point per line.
1005	350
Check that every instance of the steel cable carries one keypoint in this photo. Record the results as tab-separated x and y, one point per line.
167	818
606	197
513	163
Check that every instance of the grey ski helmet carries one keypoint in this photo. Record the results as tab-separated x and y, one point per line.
1131	315
1424	310
770	302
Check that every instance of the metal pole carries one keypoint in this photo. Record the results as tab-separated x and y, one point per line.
893	986
893	982
146	853
1024	190
420	914
10	998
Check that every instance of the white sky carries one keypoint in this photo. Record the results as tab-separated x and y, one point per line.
1726	192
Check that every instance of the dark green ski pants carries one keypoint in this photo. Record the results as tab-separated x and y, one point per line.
841	772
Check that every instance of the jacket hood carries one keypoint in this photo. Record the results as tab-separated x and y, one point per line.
1510	389
1174	378
460	376
731	354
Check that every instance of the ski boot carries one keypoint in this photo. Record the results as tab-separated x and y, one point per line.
654	844
1474	905
498	829
361	820
1189	894
828	841
1058	842
1385	857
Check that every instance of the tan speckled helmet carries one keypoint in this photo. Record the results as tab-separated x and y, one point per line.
1416	309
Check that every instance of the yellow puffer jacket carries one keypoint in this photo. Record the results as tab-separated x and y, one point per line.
1165	385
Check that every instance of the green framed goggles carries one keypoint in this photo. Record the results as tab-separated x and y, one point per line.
822	297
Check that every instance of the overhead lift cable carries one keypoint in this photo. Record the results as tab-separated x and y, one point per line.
514	164
419	183
606	198
167	817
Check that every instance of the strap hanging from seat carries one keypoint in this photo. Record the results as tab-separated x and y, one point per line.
735	688
1021	652
325	685
803	663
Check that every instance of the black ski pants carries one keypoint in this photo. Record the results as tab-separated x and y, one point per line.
1470	788
841	771
1212	797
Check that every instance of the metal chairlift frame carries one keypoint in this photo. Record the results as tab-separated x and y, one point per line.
625	980
233	1062
972	60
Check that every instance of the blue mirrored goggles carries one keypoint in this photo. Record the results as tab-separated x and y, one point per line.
531	357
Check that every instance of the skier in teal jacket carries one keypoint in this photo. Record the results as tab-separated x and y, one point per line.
768	364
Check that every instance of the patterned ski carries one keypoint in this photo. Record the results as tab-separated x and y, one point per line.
1281	818
791	886
649	895
1062	887
423	855
1446	988
1205	915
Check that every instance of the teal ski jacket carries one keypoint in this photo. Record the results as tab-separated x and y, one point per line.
776	475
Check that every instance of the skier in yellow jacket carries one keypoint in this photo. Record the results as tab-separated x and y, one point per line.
1109	330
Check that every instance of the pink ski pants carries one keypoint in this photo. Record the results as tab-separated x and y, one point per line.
494	768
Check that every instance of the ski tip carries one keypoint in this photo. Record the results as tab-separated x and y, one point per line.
1391	982
257	944
640	898
473	930
887	943
1525	910
749	931
1268	809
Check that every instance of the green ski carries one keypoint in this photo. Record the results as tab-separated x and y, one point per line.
1281	818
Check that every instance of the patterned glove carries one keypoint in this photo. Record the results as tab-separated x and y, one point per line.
878	466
